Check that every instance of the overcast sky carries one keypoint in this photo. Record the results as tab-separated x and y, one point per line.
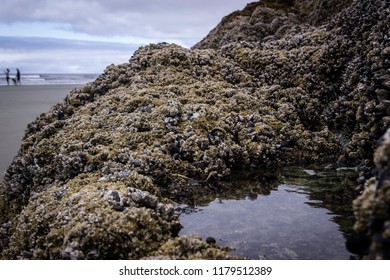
84	36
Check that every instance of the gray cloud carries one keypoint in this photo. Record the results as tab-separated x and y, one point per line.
185	20
44	44
45	55
140	21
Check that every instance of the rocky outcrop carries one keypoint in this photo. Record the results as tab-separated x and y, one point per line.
372	210
270	86
267	20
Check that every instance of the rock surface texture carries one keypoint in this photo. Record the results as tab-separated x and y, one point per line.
279	82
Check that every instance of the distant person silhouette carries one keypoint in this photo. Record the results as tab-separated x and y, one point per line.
6	72
18	77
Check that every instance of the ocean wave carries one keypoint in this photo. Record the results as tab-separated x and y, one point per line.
56	79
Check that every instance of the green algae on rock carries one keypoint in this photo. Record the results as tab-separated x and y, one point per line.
89	219
189	247
281	88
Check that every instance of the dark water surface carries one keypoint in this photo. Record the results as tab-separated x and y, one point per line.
295	213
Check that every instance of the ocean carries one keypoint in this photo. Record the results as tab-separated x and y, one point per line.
52	79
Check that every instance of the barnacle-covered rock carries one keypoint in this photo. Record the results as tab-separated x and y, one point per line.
279	82
372	208
88	219
268	20
189	248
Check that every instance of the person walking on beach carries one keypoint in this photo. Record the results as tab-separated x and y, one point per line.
18	77
6	72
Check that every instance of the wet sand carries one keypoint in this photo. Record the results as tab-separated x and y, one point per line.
20	105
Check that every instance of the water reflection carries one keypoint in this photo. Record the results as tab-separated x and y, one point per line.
290	214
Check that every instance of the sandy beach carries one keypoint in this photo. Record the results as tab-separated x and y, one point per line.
20	105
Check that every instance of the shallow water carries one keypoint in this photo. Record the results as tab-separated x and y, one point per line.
297	214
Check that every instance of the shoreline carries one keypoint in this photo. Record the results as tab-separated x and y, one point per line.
20	105
2	86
